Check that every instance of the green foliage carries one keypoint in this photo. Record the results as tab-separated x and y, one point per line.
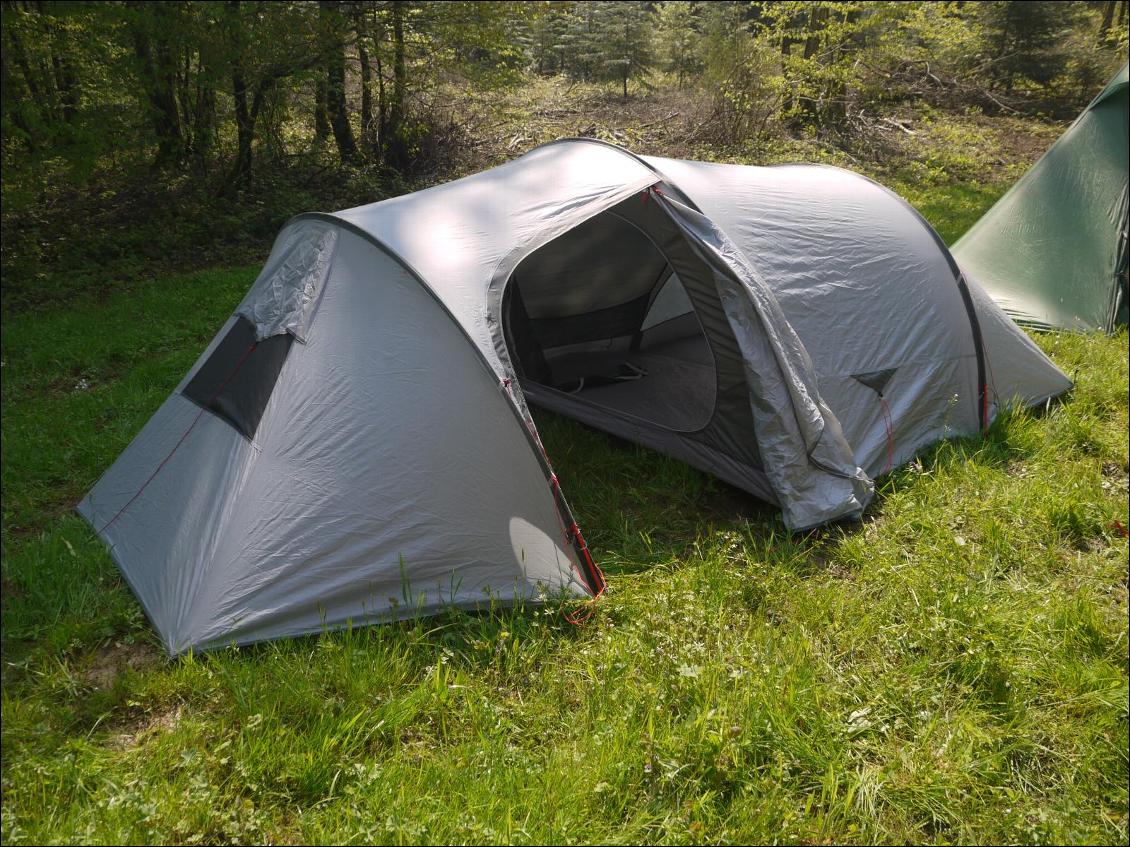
64	81
481	42
819	44
600	41
223	91
541	37
741	72
1026	40
825	67
677	32
623	39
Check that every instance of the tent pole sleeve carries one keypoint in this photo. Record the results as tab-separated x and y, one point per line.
979	349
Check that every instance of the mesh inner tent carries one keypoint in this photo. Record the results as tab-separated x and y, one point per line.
580	315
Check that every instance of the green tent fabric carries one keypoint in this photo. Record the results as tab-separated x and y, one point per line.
1052	251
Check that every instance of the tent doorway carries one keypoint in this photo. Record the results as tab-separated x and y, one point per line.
599	318
619	323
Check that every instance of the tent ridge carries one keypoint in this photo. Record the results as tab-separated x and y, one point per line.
584	139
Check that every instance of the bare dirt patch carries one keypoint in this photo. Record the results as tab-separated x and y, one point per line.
1022	140
149	723
107	663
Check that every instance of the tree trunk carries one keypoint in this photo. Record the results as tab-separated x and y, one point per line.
382	102
368	142
32	127
158	73
204	115
395	148
244	125
244	116
837	91
321	119
1108	19
247	113
181	76
815	24
246	119
336	107
170	132
786	52
65	84
1009	73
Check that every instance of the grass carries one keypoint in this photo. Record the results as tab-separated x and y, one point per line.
952	669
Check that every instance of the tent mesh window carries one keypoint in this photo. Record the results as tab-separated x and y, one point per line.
236	381
599	314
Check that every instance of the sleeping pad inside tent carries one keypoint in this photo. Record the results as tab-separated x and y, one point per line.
356	446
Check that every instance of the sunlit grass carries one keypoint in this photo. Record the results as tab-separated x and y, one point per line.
952	669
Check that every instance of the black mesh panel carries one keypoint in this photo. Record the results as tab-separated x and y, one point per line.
236	381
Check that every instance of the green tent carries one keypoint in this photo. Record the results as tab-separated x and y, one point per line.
1052	251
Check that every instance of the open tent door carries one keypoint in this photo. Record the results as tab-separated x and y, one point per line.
599	315
617	323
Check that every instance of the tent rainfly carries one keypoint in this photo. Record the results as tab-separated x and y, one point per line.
355	444
1053	251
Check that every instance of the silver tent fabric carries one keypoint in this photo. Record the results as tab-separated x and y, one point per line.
867	286
285	294
800	440
388	478
395	468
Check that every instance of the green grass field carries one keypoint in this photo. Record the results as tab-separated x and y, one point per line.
953	669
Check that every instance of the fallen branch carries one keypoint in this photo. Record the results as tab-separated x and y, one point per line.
900	126
658	120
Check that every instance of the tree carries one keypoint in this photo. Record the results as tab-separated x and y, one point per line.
1024	40
621	44
333	28
262	48
545	39
321	116
394	143
368	125
678	33
154	29
822	80
1107	22
426	44
581	45
742	72
191	83
40	87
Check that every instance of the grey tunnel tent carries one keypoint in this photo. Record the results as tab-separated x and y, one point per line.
1053	251
355	444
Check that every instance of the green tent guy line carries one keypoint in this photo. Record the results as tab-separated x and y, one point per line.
1052	252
